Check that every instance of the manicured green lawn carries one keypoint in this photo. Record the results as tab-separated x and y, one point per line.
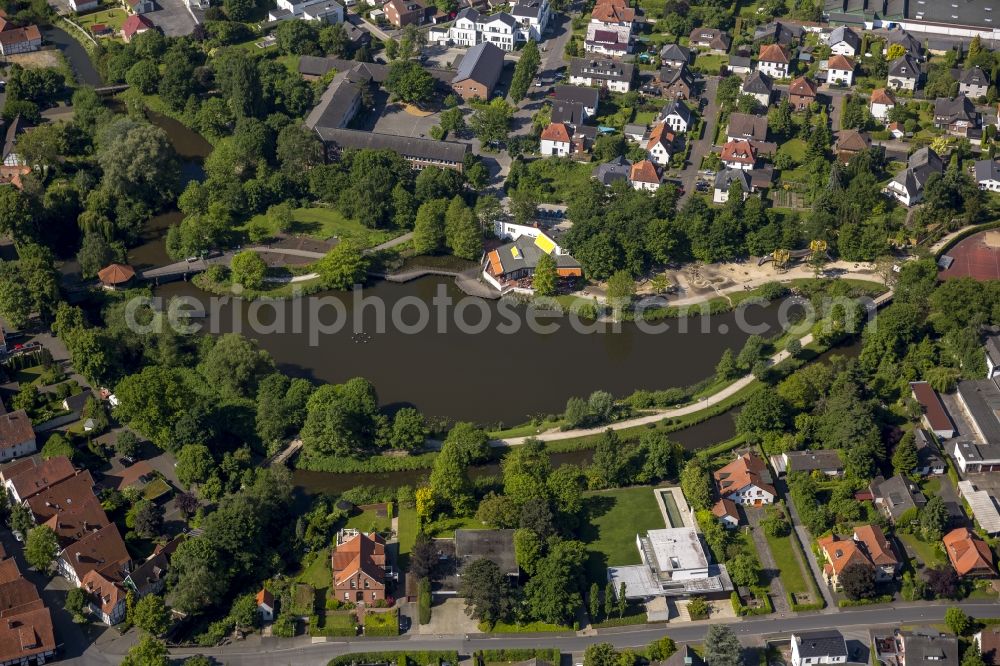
794	148
560	177
644	117
318	573
710	63
29	375
926	552
113	18
368	521
791	573
445	528
614	518
408	526
326	223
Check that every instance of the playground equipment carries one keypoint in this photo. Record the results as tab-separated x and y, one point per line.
782	257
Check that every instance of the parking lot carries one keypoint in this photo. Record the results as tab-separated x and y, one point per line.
172	17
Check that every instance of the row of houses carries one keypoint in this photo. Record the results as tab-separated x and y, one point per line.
527	20
26	630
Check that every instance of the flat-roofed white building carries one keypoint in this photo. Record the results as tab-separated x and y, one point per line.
674	563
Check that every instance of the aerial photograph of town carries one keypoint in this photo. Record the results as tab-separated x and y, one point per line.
500	332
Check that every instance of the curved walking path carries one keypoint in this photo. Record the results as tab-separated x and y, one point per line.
684	410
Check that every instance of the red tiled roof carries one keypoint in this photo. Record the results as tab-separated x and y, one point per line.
129	475
644	172
802	87
738	151
967	552
608	13
26	634
30	478
556	132
876	544
882	96
15	429
134	24
773	53
841	553
105	591
746	470
265	598
933	409
101	550
840	62
365	553
116	273
660	134
20	35
725	507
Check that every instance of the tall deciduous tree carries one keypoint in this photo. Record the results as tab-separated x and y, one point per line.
544	279
248	269
41	547
486	591
343	266
409	82
429	228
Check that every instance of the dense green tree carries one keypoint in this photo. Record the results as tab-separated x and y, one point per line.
248	269
528	548
763	412
555	593
409	430
904	458
486	591
525	71
696	482
933	519
722	648
344	266
462	232
958	621
343	419
41	547
491	122
57	445
409	82
234	366
148	651
858	581
600	654
194	464
429	228
151	615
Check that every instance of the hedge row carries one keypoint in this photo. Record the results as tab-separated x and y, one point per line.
416	658
382	624
758	593
849	603
485	656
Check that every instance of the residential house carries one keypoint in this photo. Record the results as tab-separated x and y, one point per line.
844	41
556	139
78	402
896	130
979	400
28	477
150	577
882	102
17	436
471	28
773	60
909	43
635	132
778	32
69	508
724	182
712	39
532	18
607	42
973	83
934	415
587	98
401	13
136	24
643	176
801	93
137	474
494	545
904	73
725	510
973	457
684	656
840	71
674	564
926	646
739	65
988	642
102	550
611	17
746	127
26	632
608	173
868	547
146	6
825	646
675	82
746	480
896	497
265	605
512	266
759	85
928	461
908	186
660	145
956	115
479	72
824	461
851	143
677	115
21	40
567	113
15	128
106	597
613	75
359	566
675	56
969	555
739	155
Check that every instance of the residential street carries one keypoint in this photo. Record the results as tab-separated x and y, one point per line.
703	146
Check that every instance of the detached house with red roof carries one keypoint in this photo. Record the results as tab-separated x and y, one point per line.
660	144
20	40
868	547
136	24
746	481
17	436
773	60
359	566
969	555
801	93
643	176
739	155
882	102
840	71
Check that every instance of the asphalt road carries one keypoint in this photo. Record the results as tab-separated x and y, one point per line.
750	631
702	146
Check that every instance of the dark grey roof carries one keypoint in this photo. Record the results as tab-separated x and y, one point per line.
740	61
482	63
494	545
675	106
982	400
671	75
992	341
684	656
906	40
844	34
897	494
958	12
409	147
77	402
921	164
603	69
316	65
527	8
748	126
570	113
951	109
757	83
503	17
468	13
725	178
974	452
989	170
588	97
822	643
928	647
338	102
675	52
807	461
634	129
617	169
781	33
15	128
974	76
904	67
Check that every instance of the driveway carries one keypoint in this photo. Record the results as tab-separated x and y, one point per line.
768	565
806	540
173	18
703	145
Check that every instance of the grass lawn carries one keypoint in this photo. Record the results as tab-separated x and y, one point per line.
326	223
368	521
794	148
926	552
560	176
791	573
382	624
318	573
644	117
29	375
291	62
409	525
709	63
445	528
113	18
335	623
614	517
